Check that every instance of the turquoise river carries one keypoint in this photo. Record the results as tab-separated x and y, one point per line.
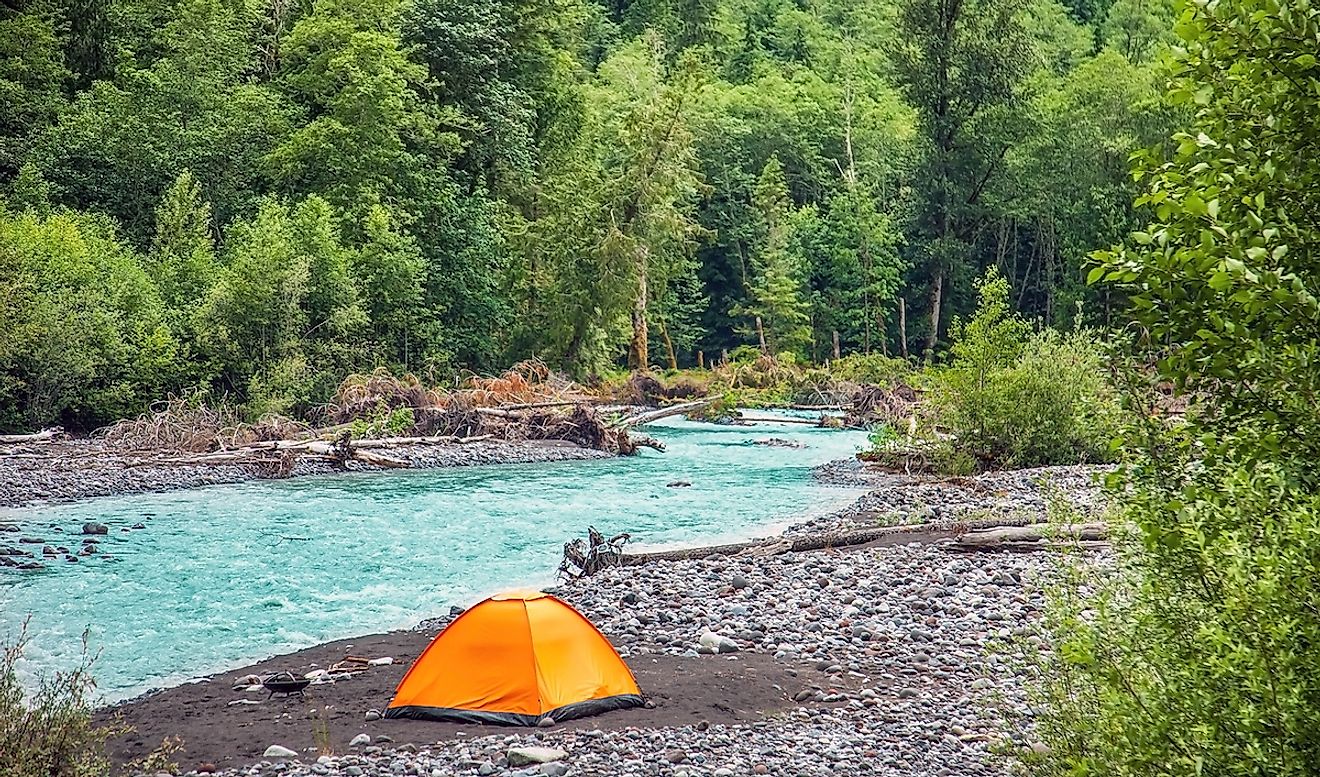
226	575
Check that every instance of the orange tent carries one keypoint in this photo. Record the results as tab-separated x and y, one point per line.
516	659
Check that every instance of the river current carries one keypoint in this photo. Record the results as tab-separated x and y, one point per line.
226	575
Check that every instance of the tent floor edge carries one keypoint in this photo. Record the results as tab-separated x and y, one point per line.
581	709
452	715
589	707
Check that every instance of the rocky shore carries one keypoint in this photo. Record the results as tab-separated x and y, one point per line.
81	469
888	659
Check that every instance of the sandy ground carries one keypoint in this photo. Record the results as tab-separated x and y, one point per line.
685	691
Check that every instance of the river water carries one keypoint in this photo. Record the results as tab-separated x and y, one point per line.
226	575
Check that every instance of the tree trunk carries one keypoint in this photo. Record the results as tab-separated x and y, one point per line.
641	419
701	360
669	347
638	358
835	342
902	326
760	335
936	299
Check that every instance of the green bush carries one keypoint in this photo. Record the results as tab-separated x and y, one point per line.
1012	398
1198	656
49	733
871	368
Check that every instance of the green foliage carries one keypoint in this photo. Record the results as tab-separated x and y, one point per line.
383	422
873	368
32	77
467	183
48	731
777	290
84	335
1016	399
1196	657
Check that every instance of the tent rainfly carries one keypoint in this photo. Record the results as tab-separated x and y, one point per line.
516	659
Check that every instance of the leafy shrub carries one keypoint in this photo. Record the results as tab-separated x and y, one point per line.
871	368
1198	657
383	422
1012	398
49	733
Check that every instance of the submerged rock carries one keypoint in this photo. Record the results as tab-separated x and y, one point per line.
92	527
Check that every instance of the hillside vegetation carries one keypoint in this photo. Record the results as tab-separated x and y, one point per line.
255	198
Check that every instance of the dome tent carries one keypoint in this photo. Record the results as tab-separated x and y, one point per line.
516	659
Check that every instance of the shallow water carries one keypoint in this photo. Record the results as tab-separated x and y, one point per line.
226	575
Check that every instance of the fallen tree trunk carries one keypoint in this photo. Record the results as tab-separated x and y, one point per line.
777	546
394	442
989	534
1031	537
341	450
655	415
751	419
45	435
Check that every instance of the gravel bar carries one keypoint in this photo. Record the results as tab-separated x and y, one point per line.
81	469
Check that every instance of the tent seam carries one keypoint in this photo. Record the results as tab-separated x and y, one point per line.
536	667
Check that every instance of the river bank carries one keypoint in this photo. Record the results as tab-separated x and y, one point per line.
72	470
880	659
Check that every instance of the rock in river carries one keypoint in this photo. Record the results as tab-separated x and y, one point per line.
92	527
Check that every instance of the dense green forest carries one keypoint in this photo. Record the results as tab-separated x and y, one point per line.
256	197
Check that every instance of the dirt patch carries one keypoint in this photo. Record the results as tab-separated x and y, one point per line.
717	689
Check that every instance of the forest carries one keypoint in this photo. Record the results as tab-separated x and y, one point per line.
253	198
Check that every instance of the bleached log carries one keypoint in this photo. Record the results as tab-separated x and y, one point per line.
396	442
991	534
751	419
45	435
1040	534
650	416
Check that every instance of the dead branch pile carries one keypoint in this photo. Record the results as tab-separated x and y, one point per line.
177	424
643	389
894	406
373	412
362	397
528	383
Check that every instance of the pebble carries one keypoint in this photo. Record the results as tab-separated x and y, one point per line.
279	751
360	740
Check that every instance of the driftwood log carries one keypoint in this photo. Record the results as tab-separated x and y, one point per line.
339	450
649	416
995	534
1033	537
45	435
